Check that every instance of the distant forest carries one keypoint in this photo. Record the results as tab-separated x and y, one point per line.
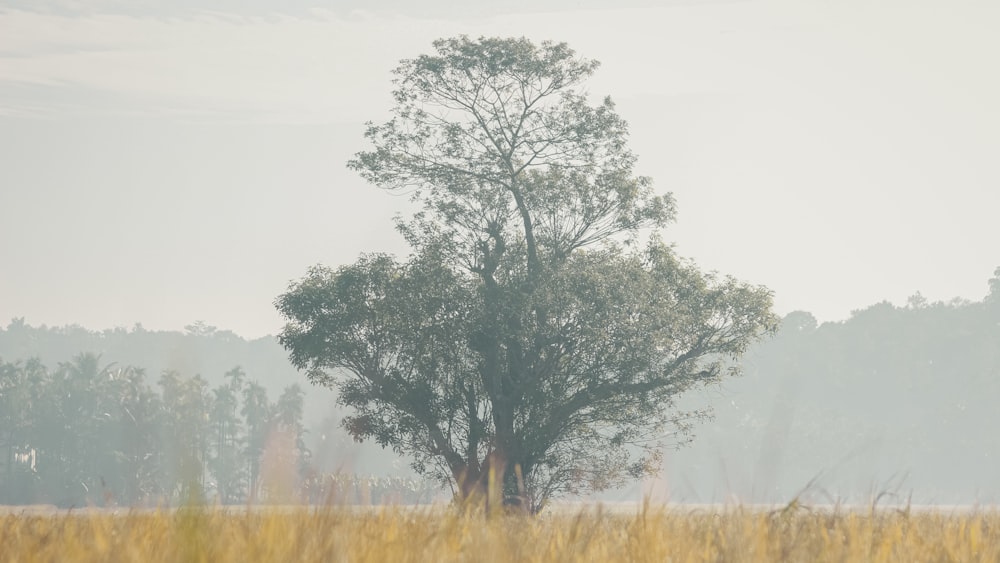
902	400
81	424
895	400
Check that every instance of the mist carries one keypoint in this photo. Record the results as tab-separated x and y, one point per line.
161	166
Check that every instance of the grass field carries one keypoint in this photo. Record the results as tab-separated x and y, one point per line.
793	534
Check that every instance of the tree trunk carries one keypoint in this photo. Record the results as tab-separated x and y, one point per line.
497	485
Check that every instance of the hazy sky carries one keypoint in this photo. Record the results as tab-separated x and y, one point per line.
165	162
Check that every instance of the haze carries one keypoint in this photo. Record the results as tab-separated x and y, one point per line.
163	165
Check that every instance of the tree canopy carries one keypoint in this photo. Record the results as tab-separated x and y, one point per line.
530	338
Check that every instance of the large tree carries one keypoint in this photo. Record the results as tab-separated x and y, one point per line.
529	339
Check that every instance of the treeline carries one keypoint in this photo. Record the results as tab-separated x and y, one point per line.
93	434
199	348
211	352
84	433
897	397
901	399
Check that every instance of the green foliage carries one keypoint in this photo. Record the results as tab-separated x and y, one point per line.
994	294
528	337
228	438
92	434
897	398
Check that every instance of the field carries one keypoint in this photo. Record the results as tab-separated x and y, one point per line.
734	534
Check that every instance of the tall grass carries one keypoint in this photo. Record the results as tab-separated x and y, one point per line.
444	535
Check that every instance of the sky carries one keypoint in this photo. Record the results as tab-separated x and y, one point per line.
167	162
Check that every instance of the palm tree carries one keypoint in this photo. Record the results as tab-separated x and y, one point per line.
256	412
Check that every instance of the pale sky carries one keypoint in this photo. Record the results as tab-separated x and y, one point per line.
165	162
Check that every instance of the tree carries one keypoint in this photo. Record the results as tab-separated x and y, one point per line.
994	295
140	437
20	400
529	338
285	455
85	401
186	410
256	413
226	461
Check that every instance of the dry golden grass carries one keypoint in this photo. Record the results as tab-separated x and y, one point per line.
442	535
